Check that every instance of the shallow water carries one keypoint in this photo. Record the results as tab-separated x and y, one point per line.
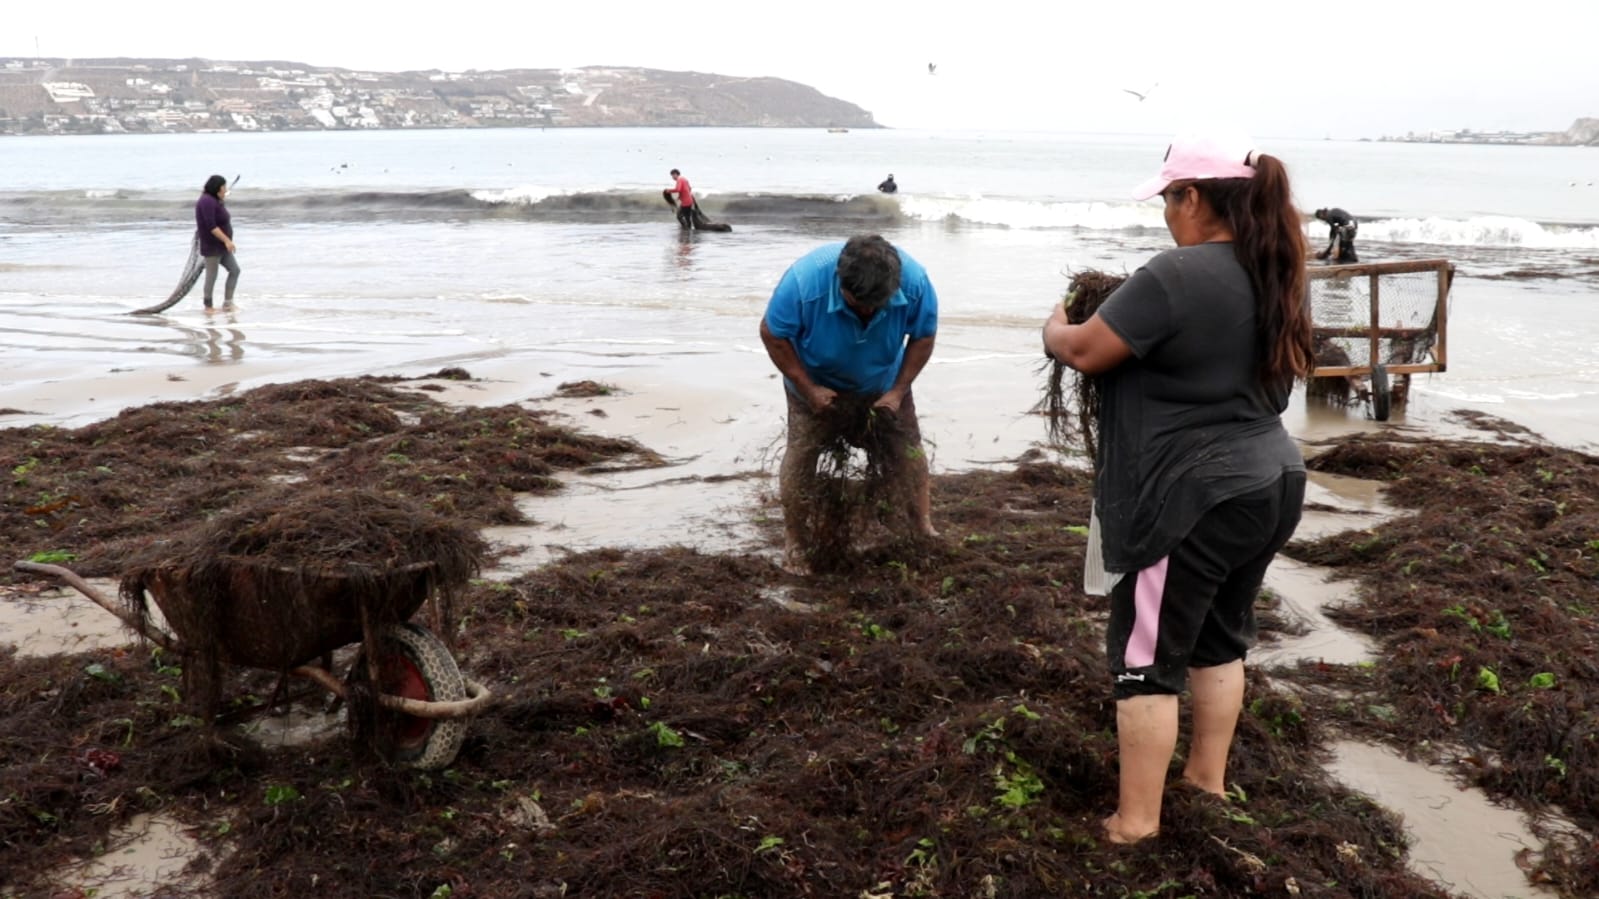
1460	838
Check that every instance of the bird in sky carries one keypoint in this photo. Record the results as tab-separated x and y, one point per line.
1145	95
932	68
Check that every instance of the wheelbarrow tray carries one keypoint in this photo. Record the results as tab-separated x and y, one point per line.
266	616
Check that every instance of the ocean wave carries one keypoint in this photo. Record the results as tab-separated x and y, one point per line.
1481	231
529	202
1035	214
533	202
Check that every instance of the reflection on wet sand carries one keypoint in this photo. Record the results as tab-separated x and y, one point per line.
1461	839
214	345
683	251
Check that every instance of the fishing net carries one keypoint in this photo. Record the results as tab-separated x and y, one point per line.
1071	399
191	273
697	218
701	223
1388	314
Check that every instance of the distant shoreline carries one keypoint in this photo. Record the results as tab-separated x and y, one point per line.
420	128
116	96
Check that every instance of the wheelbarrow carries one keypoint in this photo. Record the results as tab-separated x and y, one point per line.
423	699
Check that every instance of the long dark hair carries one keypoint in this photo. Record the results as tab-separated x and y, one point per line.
1271	247
213	185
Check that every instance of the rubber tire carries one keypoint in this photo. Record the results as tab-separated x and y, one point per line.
414	663
1382	397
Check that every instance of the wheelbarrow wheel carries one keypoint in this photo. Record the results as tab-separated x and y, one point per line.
1382	396
417	665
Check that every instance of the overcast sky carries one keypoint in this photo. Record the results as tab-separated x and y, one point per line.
1289	68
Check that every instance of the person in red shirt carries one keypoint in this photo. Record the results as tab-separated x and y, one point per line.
685	199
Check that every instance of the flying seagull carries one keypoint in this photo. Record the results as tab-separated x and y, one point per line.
932	68
1145	95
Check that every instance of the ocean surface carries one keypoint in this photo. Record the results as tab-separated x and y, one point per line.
386	251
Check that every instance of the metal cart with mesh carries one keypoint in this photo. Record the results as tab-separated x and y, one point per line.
1375	325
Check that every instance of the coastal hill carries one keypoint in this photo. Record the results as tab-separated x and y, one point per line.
92	96
1582	133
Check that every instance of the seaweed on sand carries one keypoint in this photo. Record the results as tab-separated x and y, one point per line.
98	492
1484	603
679	724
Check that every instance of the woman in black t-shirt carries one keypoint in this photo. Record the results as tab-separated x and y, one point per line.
1197	483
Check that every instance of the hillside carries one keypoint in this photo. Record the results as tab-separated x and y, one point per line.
1584	132
45	96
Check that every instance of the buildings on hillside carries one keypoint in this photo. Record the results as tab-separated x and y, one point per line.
56	96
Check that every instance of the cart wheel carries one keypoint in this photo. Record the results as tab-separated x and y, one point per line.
415	664
1381	396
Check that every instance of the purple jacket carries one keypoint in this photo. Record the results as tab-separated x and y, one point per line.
210	213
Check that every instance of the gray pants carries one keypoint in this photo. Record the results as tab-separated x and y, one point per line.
227	261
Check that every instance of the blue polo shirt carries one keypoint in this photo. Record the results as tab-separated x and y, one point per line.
836	348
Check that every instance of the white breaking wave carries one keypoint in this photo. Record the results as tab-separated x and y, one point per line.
1040	214
1479	231
526	195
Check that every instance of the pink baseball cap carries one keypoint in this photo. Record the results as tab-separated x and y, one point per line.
1194	158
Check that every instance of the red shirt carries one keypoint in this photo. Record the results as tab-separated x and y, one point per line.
685	194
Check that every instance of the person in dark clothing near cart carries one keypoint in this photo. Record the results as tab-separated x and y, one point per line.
1342	227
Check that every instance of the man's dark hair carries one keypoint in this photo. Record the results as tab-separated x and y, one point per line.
1322	213
675	172
869	269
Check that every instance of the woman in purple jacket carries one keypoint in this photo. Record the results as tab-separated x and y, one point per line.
215	230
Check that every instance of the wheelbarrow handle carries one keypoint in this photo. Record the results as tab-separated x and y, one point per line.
100	599
478	696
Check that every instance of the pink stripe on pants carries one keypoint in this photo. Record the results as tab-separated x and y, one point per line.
1147	595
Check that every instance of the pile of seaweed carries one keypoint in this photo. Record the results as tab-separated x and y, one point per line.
679	724
1484	601
92	496
862	481
293	575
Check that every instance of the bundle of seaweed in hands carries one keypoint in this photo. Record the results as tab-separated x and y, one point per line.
861	478
1073	412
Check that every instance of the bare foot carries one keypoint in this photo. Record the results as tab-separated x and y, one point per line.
794	563
1115	833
